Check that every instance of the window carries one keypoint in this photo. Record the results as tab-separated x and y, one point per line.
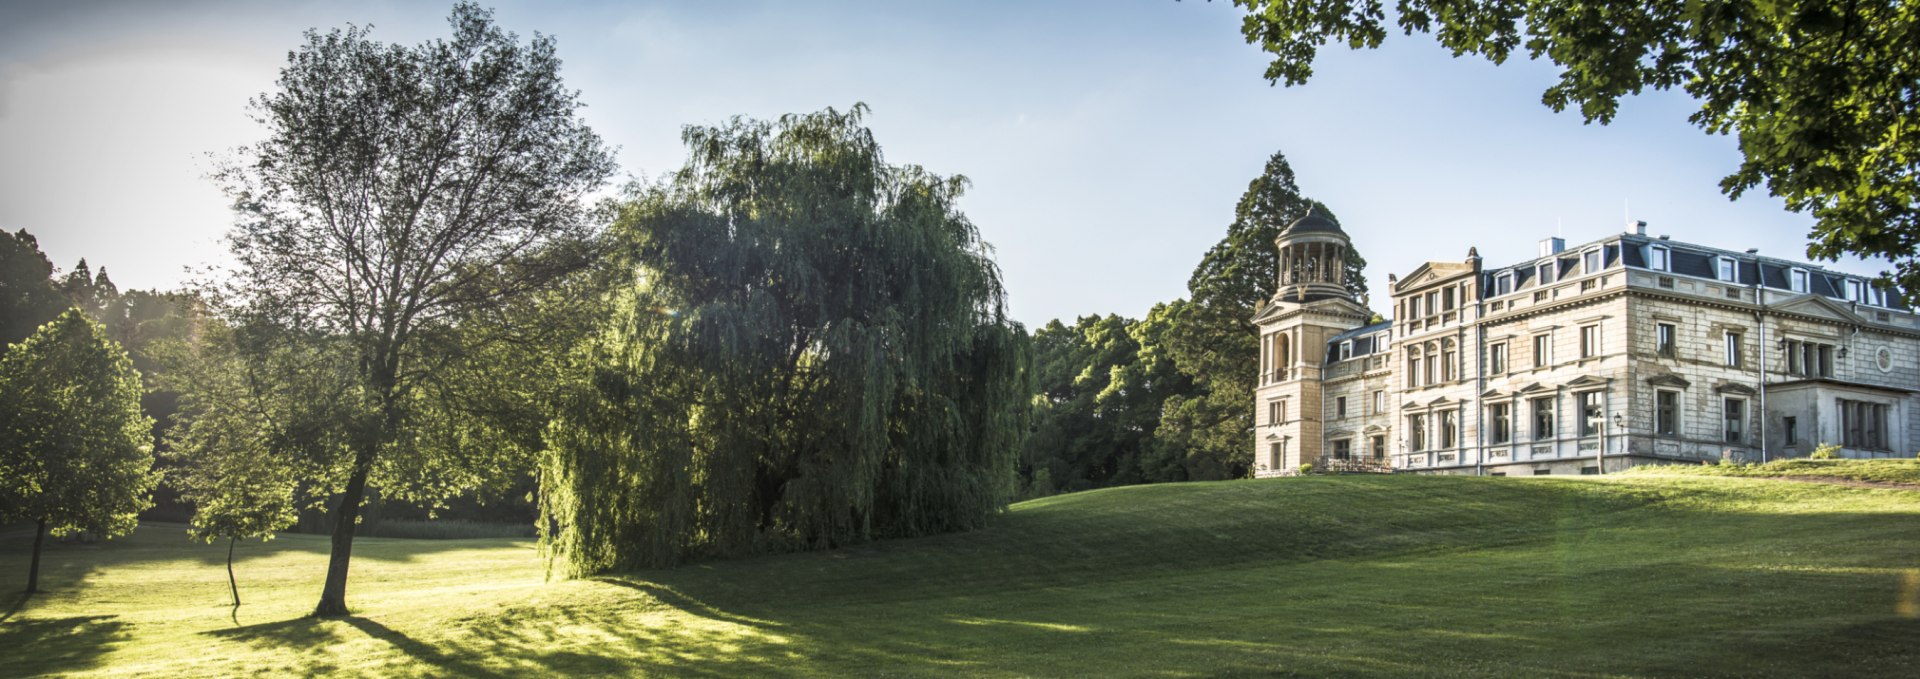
1432	358
1792	425
1591	263
1280	454
1542	418
1589	341
1500	415
1343	449
1274	455
1663	338
1413	307
1449	430
1378	444
1346	350
1433	301
1666	413
1590	471
1856	291
1542	350
1593	414
1545	272
1379	401
1543	472
1447	362
1809	359
1416	433
1863	425
1497	358
1658	258
1734	411
1797	279
1276	412
1413	368
1340	407
1503	283
1733	349
1725	268
1446	299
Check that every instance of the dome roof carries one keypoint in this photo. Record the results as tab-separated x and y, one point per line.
1314	222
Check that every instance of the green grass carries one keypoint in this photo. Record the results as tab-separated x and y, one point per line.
1873	471
1317	576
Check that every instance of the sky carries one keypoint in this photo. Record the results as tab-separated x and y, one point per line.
1106	141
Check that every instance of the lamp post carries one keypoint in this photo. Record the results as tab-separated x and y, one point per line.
1619	421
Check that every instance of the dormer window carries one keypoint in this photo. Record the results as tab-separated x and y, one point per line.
1797	279
1856	291
1545	272
1591	261
1503	283
1658	258
1346	350
1726	269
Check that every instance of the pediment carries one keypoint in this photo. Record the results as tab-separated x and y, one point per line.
1734	388
1431	272
1273	436
1669	380
1373	429
1588	381
1817	307
1533	388
1494	393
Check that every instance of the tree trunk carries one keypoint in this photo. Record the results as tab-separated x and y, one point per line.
235	584
333	597
33	571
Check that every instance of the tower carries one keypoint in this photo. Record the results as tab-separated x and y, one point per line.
1311	306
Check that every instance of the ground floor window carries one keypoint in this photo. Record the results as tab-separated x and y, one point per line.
1501	417
1666	413
1863	425
1542	418
1734	410
1593	415
1379	445
1343	449
1449	430
1792	425
1416	433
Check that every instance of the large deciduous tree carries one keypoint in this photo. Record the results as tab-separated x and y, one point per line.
1821	94
76	454
28	296
401	192
814	351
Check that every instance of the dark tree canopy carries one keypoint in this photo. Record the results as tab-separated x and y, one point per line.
813	352
402	193
76	454
1824	96
28	295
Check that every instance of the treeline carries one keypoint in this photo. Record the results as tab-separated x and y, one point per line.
1168	397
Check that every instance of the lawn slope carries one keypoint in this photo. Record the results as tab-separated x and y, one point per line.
1322	576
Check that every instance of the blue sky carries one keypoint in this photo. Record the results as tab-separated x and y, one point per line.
1107	141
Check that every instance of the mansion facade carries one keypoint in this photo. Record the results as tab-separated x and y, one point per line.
1624	351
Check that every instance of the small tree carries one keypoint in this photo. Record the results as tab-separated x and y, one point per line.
76	454
239	484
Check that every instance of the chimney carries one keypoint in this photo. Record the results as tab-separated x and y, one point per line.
1552	246
1637	227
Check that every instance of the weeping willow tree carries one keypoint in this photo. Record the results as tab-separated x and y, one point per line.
814	351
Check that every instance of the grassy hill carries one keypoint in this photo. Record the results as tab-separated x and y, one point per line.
1321	576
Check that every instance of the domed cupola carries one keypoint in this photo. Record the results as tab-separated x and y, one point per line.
1313	257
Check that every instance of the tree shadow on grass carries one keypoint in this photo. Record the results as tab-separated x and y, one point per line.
31	646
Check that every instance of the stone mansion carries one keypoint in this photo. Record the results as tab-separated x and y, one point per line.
1624	351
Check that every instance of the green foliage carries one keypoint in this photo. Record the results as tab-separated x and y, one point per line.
240	484
1820	94
1901	471
75	451
1826	451
813	352
1306	468
1101	384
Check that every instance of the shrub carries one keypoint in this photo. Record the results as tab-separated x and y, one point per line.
1825	451
1306	468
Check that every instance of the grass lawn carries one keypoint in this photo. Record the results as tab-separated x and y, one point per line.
1316	576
